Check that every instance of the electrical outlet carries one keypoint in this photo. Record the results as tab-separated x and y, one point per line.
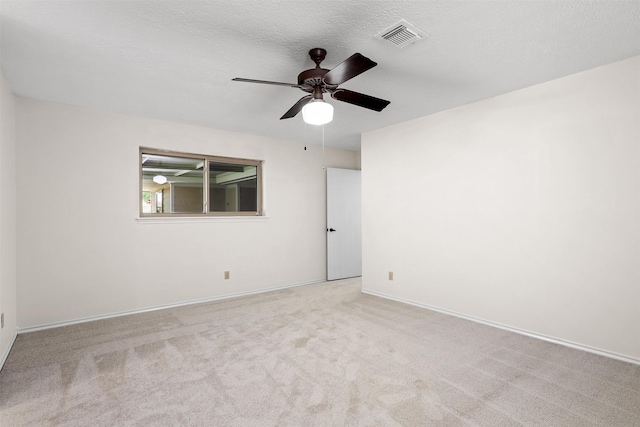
2	320
391	275
226	275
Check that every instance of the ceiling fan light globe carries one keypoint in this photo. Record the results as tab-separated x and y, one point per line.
317	112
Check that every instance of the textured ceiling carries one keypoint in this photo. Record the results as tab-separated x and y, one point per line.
175	59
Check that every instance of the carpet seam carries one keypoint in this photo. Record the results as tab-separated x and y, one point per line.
556	385
547	400
541	337
567	368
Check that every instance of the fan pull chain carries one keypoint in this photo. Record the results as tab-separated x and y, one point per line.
305	136
323	161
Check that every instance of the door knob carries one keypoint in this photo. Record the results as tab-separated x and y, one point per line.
331	230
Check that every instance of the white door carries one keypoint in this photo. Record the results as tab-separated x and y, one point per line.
344	224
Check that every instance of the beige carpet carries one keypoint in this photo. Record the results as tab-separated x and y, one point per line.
318	355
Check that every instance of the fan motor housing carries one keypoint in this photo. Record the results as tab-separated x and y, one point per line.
312	77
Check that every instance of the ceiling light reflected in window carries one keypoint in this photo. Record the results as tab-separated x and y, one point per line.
160	179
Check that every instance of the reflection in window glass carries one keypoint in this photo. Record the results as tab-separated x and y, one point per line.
146	201
176	181
232	187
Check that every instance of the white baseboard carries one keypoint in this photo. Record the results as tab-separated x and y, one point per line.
8	349
160	307
511	329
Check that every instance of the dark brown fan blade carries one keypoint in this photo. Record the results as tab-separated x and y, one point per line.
297	107
264	82
348	69
360	99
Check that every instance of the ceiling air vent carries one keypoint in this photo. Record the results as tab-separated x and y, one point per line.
402	34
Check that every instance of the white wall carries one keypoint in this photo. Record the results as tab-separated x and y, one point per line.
7	218
521	210
81	252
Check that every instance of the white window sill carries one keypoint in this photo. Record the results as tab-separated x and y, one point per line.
193	219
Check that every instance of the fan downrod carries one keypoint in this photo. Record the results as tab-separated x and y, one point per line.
317	55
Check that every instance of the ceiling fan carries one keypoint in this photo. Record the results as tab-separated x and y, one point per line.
317	81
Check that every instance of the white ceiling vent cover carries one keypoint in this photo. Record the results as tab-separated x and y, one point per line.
402	34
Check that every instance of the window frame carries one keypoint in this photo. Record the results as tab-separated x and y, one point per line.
259	212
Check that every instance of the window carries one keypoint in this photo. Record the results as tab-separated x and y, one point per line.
178	180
